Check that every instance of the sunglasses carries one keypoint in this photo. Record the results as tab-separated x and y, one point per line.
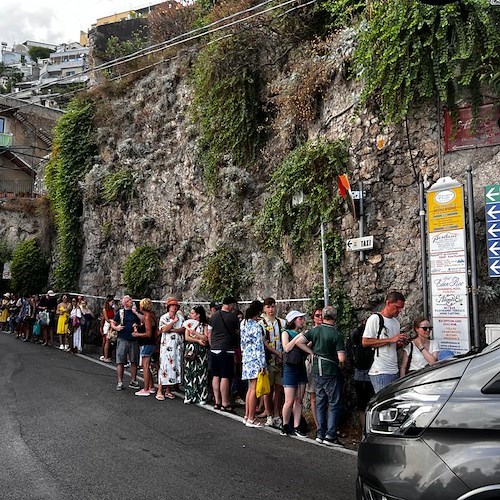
427	328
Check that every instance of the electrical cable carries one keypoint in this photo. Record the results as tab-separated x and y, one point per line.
175	41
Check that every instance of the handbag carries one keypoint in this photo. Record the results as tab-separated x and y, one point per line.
44	317
37	328
263	386
189	354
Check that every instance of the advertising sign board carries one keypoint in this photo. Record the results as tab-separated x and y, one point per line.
448	265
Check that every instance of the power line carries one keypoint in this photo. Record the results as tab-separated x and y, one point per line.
172	43
177	40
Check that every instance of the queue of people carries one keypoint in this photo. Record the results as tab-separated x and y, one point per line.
206	352
34	318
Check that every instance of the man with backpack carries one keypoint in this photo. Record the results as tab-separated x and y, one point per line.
382	333
361	358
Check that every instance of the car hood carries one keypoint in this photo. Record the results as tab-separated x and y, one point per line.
444	370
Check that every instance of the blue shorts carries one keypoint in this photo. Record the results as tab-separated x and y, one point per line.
293	375
147	350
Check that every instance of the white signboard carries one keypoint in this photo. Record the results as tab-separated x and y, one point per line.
448	265
6	271
358	244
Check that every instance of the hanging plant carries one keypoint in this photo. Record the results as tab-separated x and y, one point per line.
409	51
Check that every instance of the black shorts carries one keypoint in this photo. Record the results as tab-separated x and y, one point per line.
364	392
222	364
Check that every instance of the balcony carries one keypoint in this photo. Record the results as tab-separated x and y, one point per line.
5	140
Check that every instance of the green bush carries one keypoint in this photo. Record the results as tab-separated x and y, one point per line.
224	274
142	269
118	186
29	268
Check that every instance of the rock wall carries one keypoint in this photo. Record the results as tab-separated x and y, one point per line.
149	130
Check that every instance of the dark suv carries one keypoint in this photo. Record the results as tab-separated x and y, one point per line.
435	434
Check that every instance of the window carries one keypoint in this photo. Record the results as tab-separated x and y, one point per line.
2	125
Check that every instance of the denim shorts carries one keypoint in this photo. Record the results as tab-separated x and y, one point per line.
147	350
124	347
294	375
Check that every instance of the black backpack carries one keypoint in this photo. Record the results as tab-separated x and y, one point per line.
362	357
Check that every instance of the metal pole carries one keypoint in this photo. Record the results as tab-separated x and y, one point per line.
325	272
423	250
476	340
361	218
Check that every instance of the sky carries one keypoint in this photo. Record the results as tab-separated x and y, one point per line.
56	21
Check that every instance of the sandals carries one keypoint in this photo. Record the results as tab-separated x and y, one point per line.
253	423
217	407
160	397
228	408
169	396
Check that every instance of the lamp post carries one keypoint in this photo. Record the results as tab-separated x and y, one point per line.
298	199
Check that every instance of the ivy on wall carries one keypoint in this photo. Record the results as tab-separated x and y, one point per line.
141	271
72	151
118	186
226	104
311	169
410	51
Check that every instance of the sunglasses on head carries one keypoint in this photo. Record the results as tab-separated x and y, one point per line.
428	328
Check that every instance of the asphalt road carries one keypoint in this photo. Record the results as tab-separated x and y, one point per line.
65	432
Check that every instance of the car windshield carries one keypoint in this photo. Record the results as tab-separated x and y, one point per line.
491	347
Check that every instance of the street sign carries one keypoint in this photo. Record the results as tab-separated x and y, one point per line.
492	210
359	244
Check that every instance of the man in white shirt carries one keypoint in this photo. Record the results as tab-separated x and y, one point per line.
272	327
385	369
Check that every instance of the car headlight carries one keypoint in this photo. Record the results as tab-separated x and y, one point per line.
410	411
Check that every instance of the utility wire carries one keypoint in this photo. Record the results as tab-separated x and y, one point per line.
177	40
169	44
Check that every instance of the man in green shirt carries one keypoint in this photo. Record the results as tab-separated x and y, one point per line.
329	355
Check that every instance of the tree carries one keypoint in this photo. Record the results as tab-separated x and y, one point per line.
29	268
39	53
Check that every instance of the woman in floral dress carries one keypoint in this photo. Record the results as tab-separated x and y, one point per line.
172	341
253	358
196	356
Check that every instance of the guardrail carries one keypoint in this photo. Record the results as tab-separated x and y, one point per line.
5	140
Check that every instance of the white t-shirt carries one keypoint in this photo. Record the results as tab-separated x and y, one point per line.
417	358
386	362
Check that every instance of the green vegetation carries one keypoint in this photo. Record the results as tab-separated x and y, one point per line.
226	104
409	51
118	186
29	268
141	270
224	273
312	169
72	152
39	53
116	48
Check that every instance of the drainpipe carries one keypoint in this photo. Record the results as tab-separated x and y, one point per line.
423	249
476	339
